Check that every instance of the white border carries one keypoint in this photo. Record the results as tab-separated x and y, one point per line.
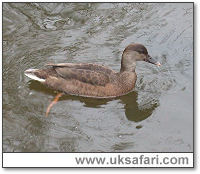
109	160
196	74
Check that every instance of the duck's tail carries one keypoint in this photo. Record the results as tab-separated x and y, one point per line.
33	74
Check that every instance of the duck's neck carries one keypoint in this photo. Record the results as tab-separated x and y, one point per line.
128	67
128	62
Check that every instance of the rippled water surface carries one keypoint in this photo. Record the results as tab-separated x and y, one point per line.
157	116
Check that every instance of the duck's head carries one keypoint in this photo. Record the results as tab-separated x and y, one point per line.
135	52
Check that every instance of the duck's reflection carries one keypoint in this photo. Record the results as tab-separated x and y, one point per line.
131	107
132	110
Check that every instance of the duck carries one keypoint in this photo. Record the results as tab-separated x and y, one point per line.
94	80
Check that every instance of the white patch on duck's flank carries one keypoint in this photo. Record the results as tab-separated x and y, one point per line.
34	77
30	73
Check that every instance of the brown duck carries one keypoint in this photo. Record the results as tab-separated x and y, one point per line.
93	80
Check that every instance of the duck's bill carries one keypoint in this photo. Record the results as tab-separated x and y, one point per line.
153	61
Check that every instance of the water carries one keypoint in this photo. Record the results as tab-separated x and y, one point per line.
156	117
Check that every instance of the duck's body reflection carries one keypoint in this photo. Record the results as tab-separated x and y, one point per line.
131	107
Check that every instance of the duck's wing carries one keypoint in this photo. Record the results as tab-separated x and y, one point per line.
85	66
82	75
